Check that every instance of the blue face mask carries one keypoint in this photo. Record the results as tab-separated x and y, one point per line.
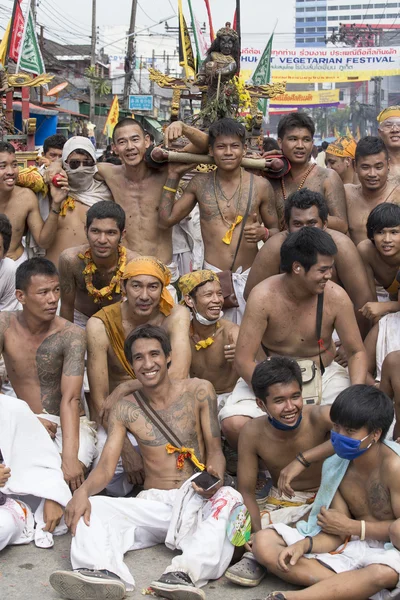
281	426
347	447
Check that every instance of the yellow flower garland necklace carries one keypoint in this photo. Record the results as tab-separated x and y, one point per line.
115	283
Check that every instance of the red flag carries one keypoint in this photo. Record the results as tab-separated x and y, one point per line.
17	32
212	35
234	21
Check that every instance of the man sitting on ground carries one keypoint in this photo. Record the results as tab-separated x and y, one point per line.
282	314
381	257
144	283
372	167
340	553
44	357
308	209
340	158
160	513
285	432
90	275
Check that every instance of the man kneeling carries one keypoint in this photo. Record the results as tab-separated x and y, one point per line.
170	509
340	552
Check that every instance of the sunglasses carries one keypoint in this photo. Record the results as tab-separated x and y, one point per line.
389	126
75	164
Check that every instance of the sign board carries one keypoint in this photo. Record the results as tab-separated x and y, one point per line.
321	98
140	102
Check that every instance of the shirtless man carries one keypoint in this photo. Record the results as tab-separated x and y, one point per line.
340	158
21	207
372	167
295	137
147	301
8	268
308	209
389	131
286	430
381	256
44	357
281	314
189	408
138	188
365	506
223	196
390	384
83	294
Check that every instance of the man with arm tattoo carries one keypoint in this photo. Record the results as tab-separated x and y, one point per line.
172	508
44	358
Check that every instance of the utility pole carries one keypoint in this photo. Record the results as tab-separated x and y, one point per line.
130	55
41	44
34	10
93	64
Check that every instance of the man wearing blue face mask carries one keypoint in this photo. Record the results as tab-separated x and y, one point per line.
341	552
281	435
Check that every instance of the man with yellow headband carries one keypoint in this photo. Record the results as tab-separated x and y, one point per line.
340	158
389	131
148	300
222	196
172	509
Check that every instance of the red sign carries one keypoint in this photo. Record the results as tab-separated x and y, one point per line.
17	33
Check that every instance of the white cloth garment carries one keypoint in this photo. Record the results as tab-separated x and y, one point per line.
356	555
8	300
119	486
277	513
388	339
80	319
24	256
180	518
240	402
239	279
87	438
173	267
35	466
334	380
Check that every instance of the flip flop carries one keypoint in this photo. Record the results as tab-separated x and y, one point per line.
247	572
275	596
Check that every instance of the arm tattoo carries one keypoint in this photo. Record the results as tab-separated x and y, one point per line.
74	350
49	362
167	198
203	395
5	318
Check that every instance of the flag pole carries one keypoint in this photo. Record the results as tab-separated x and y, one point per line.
239	32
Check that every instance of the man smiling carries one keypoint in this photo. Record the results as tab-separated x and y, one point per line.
389	131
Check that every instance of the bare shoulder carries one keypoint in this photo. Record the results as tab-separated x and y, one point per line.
263	185
202	389
199	181
318	415
130	255
273	244
251	430
106	170
366	248
390	466
25	195
229	327
70	331
264	289
126	411
336	296
6	318
342	241
95	330
179	315
70	256
352	191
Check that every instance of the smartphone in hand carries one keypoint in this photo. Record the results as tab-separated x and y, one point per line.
206	481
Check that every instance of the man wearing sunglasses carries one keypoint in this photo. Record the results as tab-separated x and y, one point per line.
389	131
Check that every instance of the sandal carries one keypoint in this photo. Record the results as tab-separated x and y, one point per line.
247	572
275	596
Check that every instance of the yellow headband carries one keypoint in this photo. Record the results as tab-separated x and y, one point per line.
386	113
345	147
190	281
148	265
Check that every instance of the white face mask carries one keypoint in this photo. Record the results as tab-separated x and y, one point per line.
80	179
203	321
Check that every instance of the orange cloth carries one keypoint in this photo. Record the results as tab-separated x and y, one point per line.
32	179
148	265
345	147
227	239
112	319
386	113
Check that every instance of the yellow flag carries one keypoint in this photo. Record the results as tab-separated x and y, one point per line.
186	56
336	132
4	43
112	118
348	132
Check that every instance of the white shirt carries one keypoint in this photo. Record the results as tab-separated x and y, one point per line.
8	300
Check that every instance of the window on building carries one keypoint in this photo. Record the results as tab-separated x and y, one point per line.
310	20
391	5
311	9
300	40
367	5
346	18
392	16
310	40
310	29
356	6
356	17
347	7
332	18
333	7
321	29
378	5
298	10
299	20
382	16
300	30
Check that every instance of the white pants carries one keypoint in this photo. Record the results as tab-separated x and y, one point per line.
80	319
240	402
87	438
334	380
239	283
119	485
118	525
12	523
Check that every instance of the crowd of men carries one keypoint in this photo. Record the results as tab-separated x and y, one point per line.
160	323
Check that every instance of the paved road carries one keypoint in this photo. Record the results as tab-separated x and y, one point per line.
25	570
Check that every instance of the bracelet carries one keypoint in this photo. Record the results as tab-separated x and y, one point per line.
56	212
310	547
303	460
362	536
169	189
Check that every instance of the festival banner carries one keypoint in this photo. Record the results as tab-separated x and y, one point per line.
262	74
30	58
318	65
112	118
17	32
186	56
322	98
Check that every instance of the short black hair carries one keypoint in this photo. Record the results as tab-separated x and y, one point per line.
147	332
270	143
303	247
31	267
5	232
304	199
294	120
363	406
105	209
277	369
383	215
370	145
226	126
54	141
125	122
324	145
7	147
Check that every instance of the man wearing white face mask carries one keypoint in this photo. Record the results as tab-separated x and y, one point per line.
79	164
213	344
